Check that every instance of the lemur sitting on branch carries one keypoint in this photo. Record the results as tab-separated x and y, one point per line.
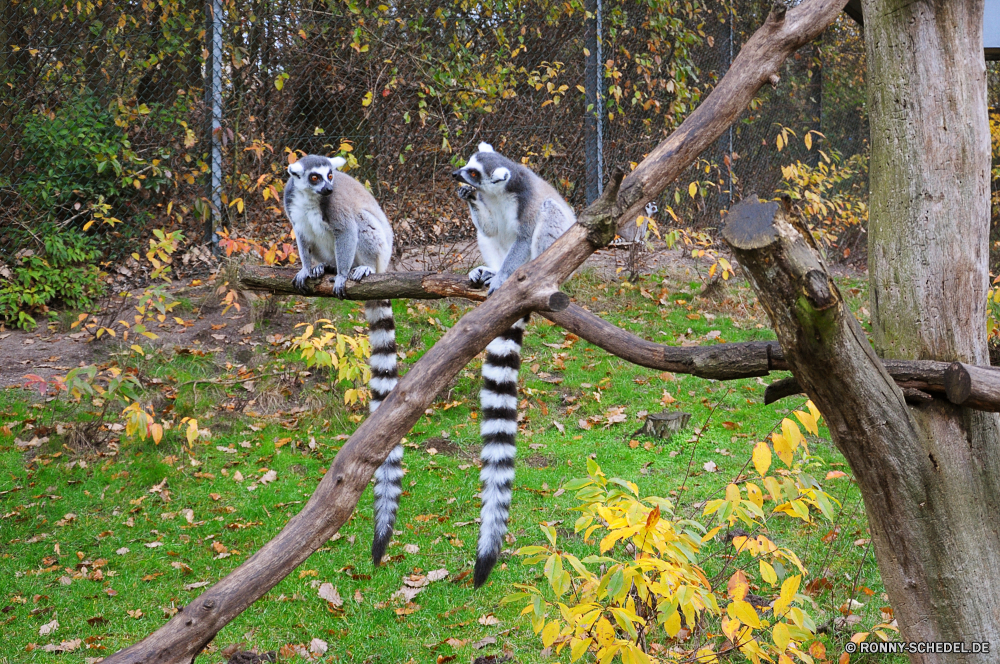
517	216
340	228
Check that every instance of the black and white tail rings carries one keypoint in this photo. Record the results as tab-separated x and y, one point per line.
389	476
498	400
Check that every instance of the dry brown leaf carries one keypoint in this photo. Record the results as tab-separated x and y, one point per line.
330	594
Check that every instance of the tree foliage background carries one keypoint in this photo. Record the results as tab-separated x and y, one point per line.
105	128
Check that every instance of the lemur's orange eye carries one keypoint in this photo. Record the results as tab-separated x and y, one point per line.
329	176
314	178
474	174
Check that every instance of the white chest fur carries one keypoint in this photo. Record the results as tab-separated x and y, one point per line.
498	220
307	220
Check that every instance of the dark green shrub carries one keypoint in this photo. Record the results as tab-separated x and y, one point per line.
78	156
64	274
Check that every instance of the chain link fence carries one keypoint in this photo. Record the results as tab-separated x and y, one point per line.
120	118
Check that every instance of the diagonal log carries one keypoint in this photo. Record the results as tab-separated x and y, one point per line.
533	287
962	384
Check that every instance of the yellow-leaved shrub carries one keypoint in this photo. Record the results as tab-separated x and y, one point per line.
644	592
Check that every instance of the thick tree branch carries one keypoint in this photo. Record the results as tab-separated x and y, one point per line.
962	384
184	636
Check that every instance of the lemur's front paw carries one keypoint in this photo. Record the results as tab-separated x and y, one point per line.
300	279
480	276
467	193
317	270
340	286
360	272
496	282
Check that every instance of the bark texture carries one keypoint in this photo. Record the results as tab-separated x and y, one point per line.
928	265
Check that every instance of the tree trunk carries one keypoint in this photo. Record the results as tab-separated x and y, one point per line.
928	265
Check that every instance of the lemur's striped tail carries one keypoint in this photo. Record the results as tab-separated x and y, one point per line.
498	401
389	476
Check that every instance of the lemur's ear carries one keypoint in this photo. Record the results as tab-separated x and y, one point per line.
295	169
337	162
500	175
486	147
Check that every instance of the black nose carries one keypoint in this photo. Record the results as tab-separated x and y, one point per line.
457	175
326	191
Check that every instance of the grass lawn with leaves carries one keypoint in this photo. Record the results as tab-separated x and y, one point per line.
105	544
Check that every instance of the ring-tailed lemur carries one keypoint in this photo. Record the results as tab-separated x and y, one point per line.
517	216
340	227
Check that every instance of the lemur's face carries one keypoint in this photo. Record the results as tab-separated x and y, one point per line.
486	171
315	173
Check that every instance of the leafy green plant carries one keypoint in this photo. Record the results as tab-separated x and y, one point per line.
647	591
329	349
80	156
63	274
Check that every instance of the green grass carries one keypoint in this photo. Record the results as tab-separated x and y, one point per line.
109	489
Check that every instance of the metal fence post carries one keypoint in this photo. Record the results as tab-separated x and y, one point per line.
593	125
213	97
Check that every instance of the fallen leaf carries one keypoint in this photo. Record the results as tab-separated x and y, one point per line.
153	545
406	594
192	586
330	594
437	575
479	645
411	548
489	619
48	628
357	597
710	466
269	476
407	610
65	646
318	646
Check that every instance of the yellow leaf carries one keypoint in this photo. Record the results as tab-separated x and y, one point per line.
137	348
788	590
782	449
780	143
809	141
578	648
86	226
791	432
781	635
773	488
815	412
768	574
754	494
745	613
733	493
672	624
367	100
761	458
808	422
693	189
550	633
